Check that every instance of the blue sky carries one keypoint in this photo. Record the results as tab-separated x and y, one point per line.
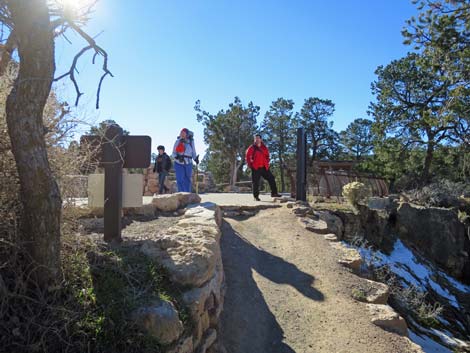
167	54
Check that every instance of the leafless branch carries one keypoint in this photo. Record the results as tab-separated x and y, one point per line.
98	51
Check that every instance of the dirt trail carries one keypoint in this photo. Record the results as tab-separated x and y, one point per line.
286	293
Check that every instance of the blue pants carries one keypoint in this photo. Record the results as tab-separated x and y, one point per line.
184	174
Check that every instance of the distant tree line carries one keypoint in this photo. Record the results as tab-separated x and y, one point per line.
417	129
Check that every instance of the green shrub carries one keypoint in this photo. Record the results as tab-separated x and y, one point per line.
355	192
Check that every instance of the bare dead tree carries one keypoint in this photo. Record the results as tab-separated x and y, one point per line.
30	28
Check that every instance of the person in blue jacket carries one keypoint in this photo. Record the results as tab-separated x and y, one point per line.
184	153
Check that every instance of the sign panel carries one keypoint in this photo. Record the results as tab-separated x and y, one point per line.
137	150
132	186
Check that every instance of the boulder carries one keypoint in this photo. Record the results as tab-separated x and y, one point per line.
187	198
171	202
166	203
319	227
349	257
207	298
330	237
371	292
351	224
301	211
333	222
380	203
160	320
385	317
439	233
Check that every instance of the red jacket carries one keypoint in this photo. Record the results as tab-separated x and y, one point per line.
257	157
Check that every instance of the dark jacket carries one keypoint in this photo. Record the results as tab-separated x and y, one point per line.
162	163
257	157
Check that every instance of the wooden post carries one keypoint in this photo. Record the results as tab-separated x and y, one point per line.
113	160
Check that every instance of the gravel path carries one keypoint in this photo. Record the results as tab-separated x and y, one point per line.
286	293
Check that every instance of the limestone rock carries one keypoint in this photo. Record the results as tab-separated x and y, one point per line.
349	257
371	292
334	223
166	203
413	347
187	198
319	227
330	237
301	211
385	317
438	231
188	250
207	212
380	203
171	202
161	321
207	298
290	204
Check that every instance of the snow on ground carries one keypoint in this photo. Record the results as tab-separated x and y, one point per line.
404	264
419	273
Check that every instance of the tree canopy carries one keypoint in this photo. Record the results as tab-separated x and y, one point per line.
228	133
278	132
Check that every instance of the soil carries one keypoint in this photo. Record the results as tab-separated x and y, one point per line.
287	293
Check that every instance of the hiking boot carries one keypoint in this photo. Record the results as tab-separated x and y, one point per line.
276	195
257	198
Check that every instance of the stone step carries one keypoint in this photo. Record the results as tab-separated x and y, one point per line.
316	226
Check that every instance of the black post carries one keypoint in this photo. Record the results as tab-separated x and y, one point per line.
301	193
113	161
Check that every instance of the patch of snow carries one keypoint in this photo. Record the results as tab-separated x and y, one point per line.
443	321
413	272
404	264
443	292
427	344
456	284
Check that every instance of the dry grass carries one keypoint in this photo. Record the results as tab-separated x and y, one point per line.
90	309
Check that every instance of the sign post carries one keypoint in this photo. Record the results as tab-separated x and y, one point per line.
116	151
113	160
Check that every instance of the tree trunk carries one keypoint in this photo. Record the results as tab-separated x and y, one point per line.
40	196
427	162
234	171
281	163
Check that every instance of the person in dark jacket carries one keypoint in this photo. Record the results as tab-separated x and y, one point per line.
257	158
162	167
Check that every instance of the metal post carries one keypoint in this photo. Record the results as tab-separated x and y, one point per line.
301	193
113	162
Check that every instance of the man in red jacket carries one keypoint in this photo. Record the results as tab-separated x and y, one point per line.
257	158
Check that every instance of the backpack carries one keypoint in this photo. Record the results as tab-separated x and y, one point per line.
169	163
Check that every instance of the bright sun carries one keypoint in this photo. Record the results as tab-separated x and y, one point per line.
76	6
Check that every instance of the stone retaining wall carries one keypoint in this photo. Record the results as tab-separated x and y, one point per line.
190	253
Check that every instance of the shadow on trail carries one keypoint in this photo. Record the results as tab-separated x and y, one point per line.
247	324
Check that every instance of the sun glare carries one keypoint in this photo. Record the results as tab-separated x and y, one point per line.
77	7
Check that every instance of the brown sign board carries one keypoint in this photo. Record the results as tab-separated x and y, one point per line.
137	150
115	151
